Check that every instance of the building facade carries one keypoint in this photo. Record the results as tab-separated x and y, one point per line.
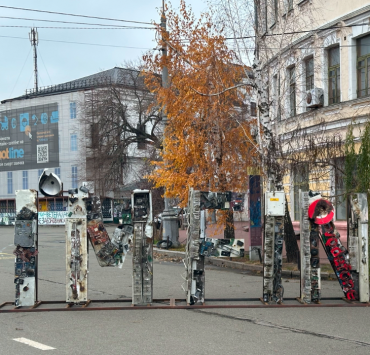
316	60
45	129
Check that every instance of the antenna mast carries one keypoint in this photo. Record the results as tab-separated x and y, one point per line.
34	38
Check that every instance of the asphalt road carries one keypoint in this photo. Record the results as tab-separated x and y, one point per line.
214	331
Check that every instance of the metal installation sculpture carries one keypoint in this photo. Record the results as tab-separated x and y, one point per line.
26	242
85	222
142	247
358	241
317	227
198	245
273	290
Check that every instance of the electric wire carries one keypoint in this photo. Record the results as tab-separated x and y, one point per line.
83	43
297	32
47	72
72	22
84	28
20	73
69	14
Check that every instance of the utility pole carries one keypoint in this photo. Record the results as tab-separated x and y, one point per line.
169	218
34	38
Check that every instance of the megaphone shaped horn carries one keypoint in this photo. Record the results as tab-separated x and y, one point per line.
49	184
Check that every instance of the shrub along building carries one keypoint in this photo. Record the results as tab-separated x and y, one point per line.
50	128
316	60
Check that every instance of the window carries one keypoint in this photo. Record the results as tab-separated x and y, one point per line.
140	137
334	75
309	74
10	182
276	96
72	109
273	12
288	5
57	172
363	66
253	109
300	176
264	16
25	180
74	177
292	92
73	142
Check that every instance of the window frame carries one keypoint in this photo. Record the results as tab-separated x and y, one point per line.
25	179
366	59
292	91
334	68
10	182
72	110
74	177
310	73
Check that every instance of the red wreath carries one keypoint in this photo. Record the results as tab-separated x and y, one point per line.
316	208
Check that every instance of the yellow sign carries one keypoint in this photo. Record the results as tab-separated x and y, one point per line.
274	199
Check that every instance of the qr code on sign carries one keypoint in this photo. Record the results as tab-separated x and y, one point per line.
42	153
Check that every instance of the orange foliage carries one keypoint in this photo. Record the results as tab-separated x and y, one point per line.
207	143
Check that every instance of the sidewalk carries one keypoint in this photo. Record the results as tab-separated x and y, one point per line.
257	269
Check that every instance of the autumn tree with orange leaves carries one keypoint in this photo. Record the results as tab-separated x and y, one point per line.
208	143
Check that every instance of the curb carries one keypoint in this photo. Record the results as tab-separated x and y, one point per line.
257	269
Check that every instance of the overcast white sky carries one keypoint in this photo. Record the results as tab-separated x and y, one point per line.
59	62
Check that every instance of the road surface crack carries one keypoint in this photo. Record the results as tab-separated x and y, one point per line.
283	327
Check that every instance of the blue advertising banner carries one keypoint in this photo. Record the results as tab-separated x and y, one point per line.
29	138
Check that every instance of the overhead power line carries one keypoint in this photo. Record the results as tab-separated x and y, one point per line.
296	32
56	21
84	28
84	43
76	15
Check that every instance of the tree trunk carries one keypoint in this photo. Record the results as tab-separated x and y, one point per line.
229	232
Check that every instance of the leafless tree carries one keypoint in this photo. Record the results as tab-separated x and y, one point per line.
122	128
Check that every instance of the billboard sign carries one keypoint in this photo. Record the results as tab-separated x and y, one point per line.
29	138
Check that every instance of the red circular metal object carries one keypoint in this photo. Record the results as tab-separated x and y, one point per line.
320	219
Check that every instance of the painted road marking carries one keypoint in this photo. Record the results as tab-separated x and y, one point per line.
6	256
34	344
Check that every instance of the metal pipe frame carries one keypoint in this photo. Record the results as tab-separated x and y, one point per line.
171	304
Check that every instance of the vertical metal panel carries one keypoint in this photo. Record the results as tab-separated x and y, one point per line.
268	250
358	222
26	241
273	289
76	260
305	248
194	262
142	248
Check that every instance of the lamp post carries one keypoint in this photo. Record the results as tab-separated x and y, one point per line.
169	217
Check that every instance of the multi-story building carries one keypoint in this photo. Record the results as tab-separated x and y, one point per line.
316	60
44	129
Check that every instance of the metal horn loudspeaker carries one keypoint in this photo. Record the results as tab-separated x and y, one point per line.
49	184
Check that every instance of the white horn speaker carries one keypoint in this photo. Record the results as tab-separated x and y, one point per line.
49	184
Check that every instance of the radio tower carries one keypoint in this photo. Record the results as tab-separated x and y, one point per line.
34	38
